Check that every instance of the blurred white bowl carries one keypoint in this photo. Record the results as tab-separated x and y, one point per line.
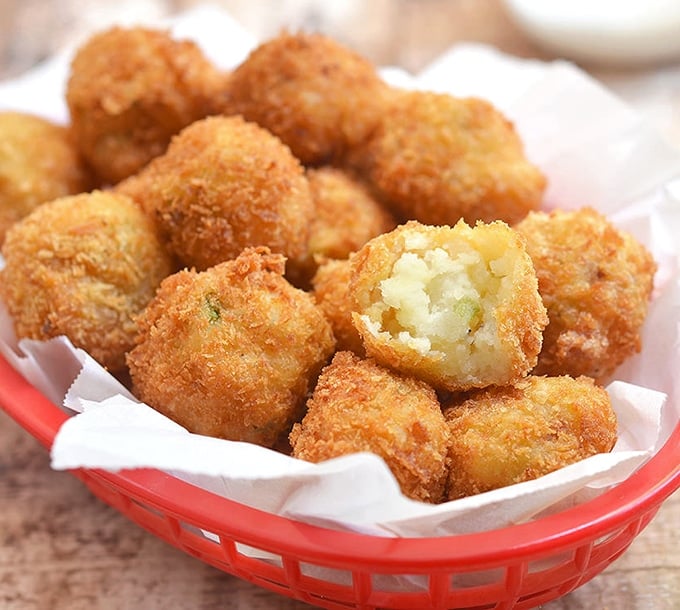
613	32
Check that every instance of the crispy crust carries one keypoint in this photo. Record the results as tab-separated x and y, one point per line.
232	351
596	282
39	161
436	158
476	320
224	185
319	97
83	266
358	405
345	217
330	287
506	435
130	90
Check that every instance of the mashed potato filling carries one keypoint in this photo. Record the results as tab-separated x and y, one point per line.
457	306
443	304
432	299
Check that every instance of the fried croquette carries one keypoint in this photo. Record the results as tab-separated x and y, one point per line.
330	287
319	97
130	90
436	159
224	185
232	351
345	218
596	282
39	161
83	266
455	306
358	405
506	435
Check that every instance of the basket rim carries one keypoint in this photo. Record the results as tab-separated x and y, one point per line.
642	492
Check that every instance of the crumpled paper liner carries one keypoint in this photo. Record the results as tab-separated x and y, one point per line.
595	151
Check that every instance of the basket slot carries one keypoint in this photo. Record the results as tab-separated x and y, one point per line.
496	589
607	548
293	573
311	571
402	582
479	590
252	564
327	587
477	580
560	572
514	579
442	596
330	604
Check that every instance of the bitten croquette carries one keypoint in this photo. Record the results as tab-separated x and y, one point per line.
455	306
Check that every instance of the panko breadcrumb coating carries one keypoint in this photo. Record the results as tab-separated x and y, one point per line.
330	287
358	405
345	218
232	351
83	266
224	185
596	282
319	97
39	161
436	159
456	306
506	435
130	90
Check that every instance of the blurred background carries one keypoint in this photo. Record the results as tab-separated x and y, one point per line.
408	33
632	46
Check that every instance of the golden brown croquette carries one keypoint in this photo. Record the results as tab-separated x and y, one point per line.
358	405
436	159
232	351
456	306
506	435
83	266
345	217
130	90
224	185
319	97
39	161
596	282
330	287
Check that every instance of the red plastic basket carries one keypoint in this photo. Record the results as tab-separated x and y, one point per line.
521	566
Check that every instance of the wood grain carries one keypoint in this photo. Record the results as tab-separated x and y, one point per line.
61	548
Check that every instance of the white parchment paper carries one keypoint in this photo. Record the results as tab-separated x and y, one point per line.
595	151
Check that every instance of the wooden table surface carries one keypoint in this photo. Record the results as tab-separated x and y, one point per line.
62	549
